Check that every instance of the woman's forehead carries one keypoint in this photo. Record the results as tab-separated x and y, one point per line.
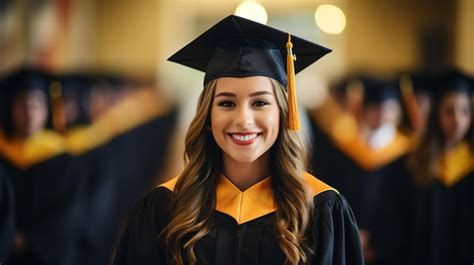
244	85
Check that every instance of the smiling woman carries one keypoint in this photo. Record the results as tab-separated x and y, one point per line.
244	196
245	124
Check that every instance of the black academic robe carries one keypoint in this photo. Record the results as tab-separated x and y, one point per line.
47	202
358	182
116	171
332	236
7	214
425	225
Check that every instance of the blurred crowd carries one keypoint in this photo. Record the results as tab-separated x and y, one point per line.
401	151
78	149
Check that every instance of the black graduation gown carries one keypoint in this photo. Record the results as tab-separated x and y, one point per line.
47	202
430	225
358	178
116	171
7	221
333	235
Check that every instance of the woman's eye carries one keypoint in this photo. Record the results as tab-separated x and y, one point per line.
260	103
226	104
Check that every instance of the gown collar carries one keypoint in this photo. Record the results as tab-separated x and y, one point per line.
456	164
36	149
254	202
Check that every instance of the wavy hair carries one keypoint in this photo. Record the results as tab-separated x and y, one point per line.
194	195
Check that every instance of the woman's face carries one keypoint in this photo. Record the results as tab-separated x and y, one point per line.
245	117
29	112
454	116
378	114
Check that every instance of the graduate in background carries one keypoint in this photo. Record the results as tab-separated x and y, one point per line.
46	191
75	98
355	147
119	152
244	196
426	209
7	215
7	207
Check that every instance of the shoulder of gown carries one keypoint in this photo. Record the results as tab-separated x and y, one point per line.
335	230
139	243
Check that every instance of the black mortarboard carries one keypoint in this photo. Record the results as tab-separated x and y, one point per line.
422	83
238	47
453	80
21	79
378	90
24	79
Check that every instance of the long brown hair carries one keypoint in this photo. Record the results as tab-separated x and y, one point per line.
424	160
194	195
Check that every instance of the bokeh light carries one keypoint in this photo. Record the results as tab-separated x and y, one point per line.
330	19
252	10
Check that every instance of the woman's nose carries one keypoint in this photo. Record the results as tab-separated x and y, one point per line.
244	117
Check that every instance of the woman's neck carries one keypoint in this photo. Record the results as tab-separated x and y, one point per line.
244	175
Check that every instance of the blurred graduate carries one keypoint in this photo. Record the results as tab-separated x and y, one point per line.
356	144
118	146
7	215
426	206
46	191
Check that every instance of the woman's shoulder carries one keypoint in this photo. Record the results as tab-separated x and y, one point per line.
333	225
139	244
169	185
323	194
316	186
154	204
161	194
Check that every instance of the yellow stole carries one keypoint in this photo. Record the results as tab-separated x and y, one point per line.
138	108
456	164
82	139
342	129
255	202
36	149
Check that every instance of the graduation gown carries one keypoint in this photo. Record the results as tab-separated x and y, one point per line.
46	195
428	225
243	230
7	224
348	164
119	162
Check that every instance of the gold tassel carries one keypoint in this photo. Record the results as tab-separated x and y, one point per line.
57	107
293	117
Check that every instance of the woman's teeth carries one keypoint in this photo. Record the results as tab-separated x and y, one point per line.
244	138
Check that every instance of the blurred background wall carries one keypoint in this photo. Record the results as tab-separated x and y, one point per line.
135	37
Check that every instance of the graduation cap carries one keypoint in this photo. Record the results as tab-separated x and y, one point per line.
378	90
238	47
422	83
25	79
20	80
453	80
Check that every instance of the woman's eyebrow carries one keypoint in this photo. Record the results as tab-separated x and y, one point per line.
229	94
225	94
258	93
